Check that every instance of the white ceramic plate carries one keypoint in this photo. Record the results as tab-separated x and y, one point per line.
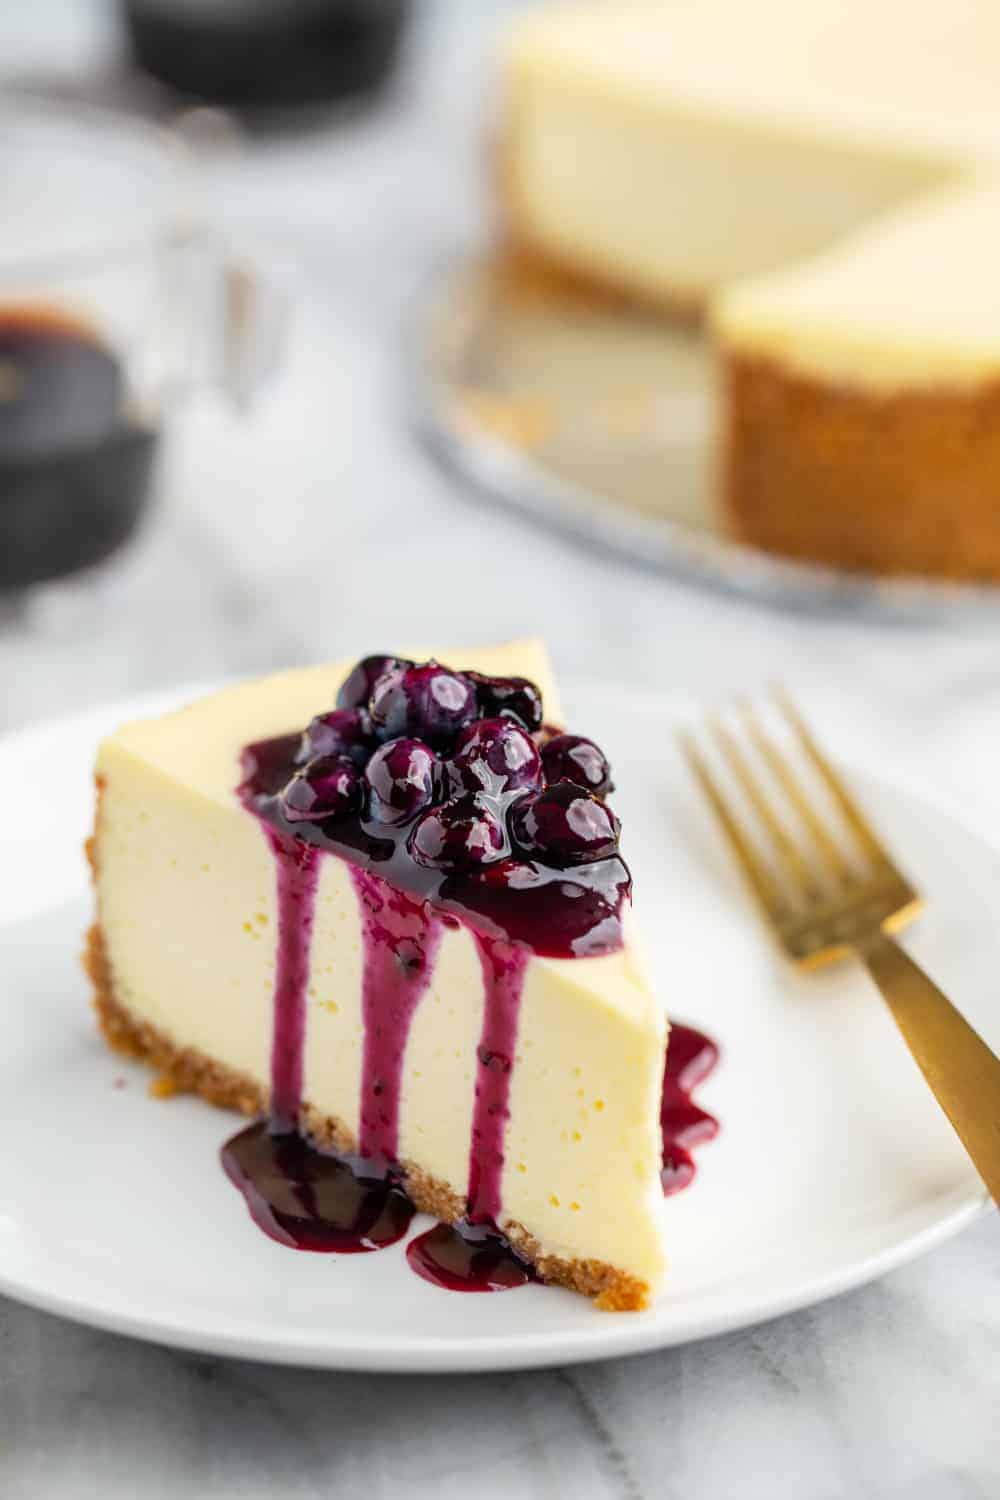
833	1165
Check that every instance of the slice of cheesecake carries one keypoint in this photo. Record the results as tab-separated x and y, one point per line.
406	934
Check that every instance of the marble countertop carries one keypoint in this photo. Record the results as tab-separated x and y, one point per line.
318	528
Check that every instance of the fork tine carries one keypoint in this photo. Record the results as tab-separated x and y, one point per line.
853	816
782	771
756	872
786	846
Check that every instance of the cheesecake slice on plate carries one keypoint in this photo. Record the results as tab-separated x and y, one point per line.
383	907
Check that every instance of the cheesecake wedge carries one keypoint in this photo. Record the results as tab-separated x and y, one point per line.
385	909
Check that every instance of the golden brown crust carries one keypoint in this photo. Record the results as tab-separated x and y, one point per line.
901	482
612	1290
185	1070
531	277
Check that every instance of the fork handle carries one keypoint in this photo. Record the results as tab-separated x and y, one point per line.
964	1074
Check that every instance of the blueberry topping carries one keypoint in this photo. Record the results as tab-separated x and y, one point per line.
571	757
328	787
403	778
428	701
342	731
564	825
459	834
508	698
495	755
452	789
359	686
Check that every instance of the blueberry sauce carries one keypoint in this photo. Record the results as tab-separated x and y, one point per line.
558	910
473	1255
313	1200
431	841
691	1057
468	1258
503	968
297	873
400	943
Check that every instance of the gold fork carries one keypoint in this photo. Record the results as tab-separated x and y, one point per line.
824	904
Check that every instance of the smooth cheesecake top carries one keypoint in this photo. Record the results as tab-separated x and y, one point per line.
900	75
912	301
201	743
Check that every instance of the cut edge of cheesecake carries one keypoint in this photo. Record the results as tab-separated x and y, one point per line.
844	382
653	98
184	1068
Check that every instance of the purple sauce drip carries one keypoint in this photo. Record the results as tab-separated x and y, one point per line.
297	867
311	1200
503	968
300	1196
468	1258
473	1255
691	1057
400	944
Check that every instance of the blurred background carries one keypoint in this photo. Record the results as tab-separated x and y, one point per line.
240	244
258	488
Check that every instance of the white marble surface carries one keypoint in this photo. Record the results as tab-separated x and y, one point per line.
321	528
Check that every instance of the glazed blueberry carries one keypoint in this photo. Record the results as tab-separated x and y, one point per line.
429	701
511	874
508	698
342	731
360	685
495	755
564	825
571	757
457	835
403	778
328	787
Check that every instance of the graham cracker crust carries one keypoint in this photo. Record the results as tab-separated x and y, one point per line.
893	483
526	274
185	1070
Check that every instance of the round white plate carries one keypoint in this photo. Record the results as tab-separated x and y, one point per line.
833	1164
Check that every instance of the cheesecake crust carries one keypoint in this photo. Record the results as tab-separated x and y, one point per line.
186	1070
903	482
524	271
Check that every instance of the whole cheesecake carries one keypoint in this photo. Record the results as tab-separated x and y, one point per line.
384	906
821	182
